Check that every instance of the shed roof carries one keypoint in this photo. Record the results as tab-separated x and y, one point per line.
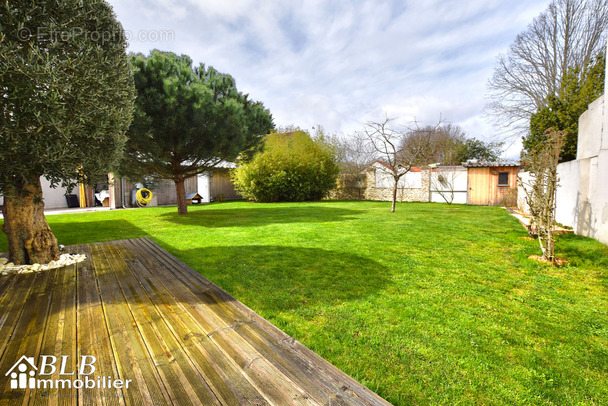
474	163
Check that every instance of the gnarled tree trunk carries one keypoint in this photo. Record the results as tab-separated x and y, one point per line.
30	239
180	189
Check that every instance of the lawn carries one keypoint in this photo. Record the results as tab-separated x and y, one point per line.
433	304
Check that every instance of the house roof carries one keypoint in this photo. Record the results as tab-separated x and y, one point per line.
191	196
474	163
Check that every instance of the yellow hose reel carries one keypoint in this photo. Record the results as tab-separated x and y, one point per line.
143	197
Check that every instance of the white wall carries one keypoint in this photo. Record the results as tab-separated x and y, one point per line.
455	186
203	187
54	198
566	196
582	195
590	130
411	180
599	198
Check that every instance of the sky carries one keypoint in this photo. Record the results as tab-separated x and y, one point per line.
341	64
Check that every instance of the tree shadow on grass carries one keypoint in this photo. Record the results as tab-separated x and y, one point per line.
213	217
86	232
278	278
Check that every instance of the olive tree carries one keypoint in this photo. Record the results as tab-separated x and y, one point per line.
66	101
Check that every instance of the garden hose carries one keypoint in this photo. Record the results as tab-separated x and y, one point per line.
143	197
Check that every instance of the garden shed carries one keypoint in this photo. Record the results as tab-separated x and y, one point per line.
492	183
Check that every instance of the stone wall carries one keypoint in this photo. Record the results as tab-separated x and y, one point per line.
348	188
404	194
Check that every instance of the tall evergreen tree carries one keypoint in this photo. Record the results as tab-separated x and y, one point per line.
66	100
187	120
579	88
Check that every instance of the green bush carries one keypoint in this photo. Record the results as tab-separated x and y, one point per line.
291	167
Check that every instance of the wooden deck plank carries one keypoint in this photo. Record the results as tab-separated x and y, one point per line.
132	359
26	339
228	381
276	387
92	335
183	382
288	354
60	338
6	282
12	306
148	317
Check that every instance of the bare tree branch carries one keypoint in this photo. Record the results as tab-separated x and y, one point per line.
399	151
567	34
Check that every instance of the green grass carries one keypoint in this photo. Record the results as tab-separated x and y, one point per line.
433	304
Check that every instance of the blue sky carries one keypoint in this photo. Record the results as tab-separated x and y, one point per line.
342	63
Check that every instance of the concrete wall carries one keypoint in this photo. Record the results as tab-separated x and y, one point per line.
566	196
582	195
54	198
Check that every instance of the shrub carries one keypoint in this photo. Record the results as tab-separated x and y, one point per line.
291	167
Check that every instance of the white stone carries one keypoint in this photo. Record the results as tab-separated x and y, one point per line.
64	260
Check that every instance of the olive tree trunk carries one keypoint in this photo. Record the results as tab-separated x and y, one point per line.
30	239
180	189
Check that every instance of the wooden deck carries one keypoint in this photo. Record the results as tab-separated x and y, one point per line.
150	319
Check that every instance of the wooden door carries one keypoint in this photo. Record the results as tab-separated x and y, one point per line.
479	186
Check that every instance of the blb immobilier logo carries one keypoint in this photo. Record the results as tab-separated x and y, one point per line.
27	374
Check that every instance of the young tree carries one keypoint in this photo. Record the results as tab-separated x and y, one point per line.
579	88
399	150
66	100
355	154
542	165
568	33
187	120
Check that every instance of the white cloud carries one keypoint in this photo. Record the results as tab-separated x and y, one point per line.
342	63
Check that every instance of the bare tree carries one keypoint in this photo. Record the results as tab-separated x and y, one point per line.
540	190
567	34
356	154
442	142
399	150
